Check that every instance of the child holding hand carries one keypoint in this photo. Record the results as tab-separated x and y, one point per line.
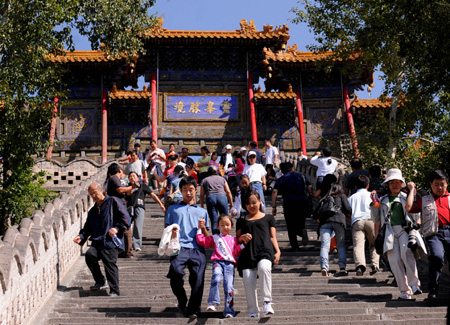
227	249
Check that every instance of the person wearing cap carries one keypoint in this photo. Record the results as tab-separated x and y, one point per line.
252	146
244	151
227	157
401	258
435	225
325	165
257	174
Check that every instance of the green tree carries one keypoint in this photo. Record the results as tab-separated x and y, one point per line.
30	31
406	41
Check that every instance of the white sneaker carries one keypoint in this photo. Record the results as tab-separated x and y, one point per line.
254	315
416	290
267	308
211	307
137	249
405	296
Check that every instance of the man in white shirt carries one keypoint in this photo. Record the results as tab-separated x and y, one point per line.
257	175
362	226
227	157
271	153
325	165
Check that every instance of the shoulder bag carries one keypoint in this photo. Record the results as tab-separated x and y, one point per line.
379	241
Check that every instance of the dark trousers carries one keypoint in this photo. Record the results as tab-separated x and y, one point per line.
109	259
295	213
195	261
439	246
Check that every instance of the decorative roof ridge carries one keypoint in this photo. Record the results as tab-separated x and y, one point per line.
129	94
247	31
292	54
371	103
83	56
290	94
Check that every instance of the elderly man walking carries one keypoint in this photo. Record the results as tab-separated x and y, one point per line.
105	224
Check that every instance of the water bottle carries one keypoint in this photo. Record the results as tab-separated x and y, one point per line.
116	241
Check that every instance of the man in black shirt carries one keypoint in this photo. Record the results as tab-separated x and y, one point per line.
116	189
184	157
295	189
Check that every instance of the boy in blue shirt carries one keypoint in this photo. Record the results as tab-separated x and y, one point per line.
191	255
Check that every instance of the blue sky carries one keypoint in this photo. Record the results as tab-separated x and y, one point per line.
226	15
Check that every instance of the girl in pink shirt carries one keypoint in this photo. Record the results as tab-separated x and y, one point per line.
226	250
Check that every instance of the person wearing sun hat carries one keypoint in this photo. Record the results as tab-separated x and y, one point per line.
401	258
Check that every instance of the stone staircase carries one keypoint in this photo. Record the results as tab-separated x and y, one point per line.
300	294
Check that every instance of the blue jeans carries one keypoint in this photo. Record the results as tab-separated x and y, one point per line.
216	204
259	188
225	270
325	235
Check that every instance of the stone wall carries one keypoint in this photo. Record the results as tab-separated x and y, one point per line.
36	254
64	176
305	167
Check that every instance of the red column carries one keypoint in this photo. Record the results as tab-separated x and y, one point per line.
154	108
52	129
252	107
104	127
351	124
300	122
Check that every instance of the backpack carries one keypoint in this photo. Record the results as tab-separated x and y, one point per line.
327	208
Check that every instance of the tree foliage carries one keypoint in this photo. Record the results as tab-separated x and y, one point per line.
406	41
30	31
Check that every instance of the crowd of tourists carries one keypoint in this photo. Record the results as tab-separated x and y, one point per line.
398	221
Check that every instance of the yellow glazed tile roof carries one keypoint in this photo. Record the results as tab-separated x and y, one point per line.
247	31
295	56
259	94
83	56
129	94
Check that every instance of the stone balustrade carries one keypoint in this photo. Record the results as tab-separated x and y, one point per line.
304	166
37	253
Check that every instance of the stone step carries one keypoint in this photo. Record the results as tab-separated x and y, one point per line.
215	318
301	295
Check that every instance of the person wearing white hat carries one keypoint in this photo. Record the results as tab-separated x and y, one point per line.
227	157
392	211
244	151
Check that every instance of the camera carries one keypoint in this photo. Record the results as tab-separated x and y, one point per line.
411	228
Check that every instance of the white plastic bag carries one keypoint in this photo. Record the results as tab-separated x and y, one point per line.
168	245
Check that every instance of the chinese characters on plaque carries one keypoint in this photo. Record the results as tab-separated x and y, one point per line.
202	107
